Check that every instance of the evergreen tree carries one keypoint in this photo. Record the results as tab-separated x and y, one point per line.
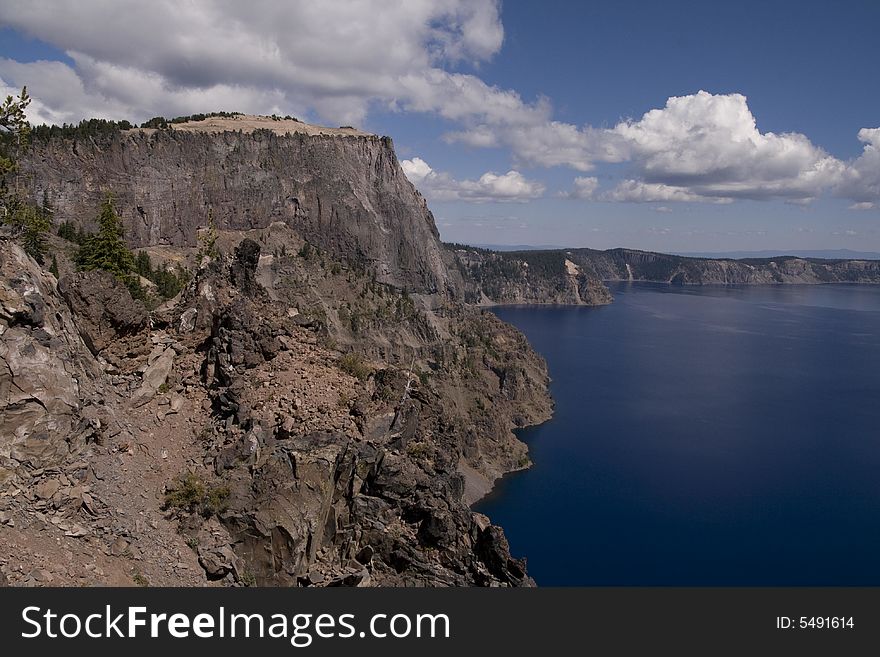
46	207
142	265
106	249
14	137
33	226
53	268
67	231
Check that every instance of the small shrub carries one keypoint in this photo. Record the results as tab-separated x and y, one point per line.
193	495
139	579
354	364
418	450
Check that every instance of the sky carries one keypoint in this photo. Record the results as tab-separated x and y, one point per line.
675	126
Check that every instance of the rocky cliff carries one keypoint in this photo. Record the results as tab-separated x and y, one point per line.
527	277
344	193
318	407
574	276
629	264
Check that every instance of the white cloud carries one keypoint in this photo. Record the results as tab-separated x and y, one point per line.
330	57
440	186
636	191
708	146
861	181
583	187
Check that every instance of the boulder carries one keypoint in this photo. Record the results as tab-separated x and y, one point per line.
103	307
154	377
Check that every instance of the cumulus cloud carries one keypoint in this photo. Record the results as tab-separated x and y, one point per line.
706	147
584	187
861	180
709	146
637	191
330	57
441	186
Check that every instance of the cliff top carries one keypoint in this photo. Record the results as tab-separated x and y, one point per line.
250	122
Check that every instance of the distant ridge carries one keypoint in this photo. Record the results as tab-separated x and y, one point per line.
520	247
825	254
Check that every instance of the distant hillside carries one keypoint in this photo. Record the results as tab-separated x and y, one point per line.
571	276
520	247
825	254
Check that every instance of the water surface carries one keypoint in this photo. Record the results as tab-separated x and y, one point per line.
703	436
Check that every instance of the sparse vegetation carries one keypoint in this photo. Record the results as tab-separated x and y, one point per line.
418	449
31	226
354	364
208	242
67	230
169	282
139	579
161	123
192	494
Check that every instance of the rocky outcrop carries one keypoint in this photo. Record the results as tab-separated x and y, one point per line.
47	375
345	193
629	264
104	309
574	276
527	277
361	491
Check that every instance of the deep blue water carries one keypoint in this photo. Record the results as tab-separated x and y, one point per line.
703	436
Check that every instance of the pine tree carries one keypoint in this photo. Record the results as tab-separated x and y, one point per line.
106	249
46	207
14	137
34	227
53	268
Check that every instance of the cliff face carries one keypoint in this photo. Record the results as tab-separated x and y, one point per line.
628	264
345	194
47	376
574	276
527	277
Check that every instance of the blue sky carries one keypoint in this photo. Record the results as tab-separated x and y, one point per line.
680	126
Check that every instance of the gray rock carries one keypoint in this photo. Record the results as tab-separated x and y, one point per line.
188	320
45	369
154	377
47	488
103	307
353	183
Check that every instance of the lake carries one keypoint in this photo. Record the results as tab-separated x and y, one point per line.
703	436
